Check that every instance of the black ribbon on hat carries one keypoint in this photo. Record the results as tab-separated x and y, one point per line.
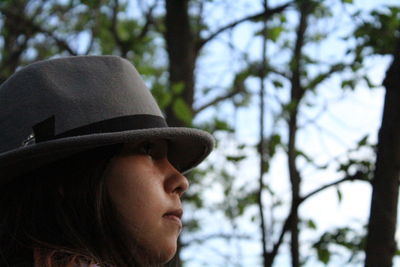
45	130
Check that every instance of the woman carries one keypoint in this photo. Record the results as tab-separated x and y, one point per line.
90	173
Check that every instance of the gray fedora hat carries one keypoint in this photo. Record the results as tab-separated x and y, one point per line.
55	108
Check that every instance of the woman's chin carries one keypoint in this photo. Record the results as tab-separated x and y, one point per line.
162	255
167	254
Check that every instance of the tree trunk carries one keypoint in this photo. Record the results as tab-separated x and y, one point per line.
295	180
181	54
381	245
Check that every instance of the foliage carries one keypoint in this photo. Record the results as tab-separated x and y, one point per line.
383	23
344	237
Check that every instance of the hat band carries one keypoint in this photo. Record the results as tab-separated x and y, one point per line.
45	130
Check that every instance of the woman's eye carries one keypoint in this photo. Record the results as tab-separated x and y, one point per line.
156	149
146	148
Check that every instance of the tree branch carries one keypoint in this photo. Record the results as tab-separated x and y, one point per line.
358	176
114	30
216	100
295	204
272	254
266	13
94	30
29	24
149	21
323	76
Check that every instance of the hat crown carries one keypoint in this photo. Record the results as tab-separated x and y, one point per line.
76	91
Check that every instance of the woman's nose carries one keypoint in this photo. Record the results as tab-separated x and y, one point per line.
175	181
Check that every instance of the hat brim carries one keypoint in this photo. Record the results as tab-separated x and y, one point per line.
188	147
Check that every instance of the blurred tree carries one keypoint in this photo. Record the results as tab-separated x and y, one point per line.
301	83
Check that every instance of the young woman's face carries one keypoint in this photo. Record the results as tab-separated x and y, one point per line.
147	189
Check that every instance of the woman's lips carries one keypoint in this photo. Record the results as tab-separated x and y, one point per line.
174	216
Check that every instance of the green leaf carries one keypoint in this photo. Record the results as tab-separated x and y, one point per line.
241	146
182	111
339	194
369	83
192	225
177	88
289	107
309	60
309	104
277	84
221	125
162	96
235	158
274	142
363	141
324	255
304	155
348	84
274	33
247	200
207	90
311	224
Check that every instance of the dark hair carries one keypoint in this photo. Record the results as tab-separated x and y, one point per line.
63	210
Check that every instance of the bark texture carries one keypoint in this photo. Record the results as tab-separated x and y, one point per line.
181	54
381	245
